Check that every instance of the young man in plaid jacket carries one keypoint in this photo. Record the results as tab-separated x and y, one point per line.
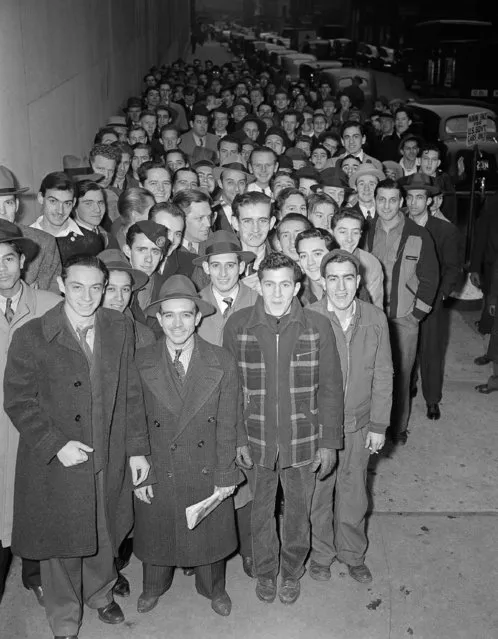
291	381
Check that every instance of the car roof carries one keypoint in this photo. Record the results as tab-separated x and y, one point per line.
446	107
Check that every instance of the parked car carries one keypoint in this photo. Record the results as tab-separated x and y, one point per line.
310	71
291	64
344	51
321	49
367	55
342	77
386	59
297	35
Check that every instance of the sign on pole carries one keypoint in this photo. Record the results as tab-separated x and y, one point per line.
476	128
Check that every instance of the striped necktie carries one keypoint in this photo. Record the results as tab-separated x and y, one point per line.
9	311
180	369
228	301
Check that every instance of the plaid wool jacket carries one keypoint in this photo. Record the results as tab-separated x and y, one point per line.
291	384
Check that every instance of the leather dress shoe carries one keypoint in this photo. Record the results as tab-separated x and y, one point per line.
122	586
222	605
38	590
319	572
266	589
111	613
360	573
188	571
433	411
66	637
289	592
482	360
248	566
146	602
400	438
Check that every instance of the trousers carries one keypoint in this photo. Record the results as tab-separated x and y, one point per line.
290	554
209	579
403	332
338	521
68	583
432	348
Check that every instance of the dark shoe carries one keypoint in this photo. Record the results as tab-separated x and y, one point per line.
38	590
222	605
248	566
122	586
146	602
266	589
188	571
111	613
400	438
289	592
433	411
360	573
482	360
486	389
318	572
413	392
66	637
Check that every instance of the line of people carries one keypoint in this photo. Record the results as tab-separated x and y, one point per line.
235	294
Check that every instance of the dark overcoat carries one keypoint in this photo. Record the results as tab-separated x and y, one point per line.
48	399
193	447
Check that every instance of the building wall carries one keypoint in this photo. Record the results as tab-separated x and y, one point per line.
67	65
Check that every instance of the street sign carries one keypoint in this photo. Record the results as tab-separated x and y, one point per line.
476	128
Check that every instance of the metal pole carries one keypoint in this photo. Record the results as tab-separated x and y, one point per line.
470	222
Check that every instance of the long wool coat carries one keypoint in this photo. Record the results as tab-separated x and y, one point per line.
33	303
48	398
193	447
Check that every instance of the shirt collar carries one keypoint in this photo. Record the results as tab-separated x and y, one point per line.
71	227
186	348
219	297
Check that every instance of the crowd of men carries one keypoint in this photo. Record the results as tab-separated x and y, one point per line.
235	295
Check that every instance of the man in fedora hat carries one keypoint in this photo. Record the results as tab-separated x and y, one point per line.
82	445
419	190
19	303
44	268
364	180
232	179
224	262
191	395
333	183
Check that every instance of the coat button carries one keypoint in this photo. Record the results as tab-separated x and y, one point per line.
156	423
77	418
173	447
201	443
205	471
77	384
211	419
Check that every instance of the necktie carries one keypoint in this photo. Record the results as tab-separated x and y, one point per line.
369	215
9	311
82	333
201	142
180	370
191	247
228	301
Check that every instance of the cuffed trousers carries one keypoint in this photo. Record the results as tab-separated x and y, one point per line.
209	579
338	523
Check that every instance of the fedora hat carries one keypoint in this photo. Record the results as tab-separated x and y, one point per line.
115	260
365	169
419	182
132	103
179	287
11	233
116	120
222	242
79	169
8	183
233	166
334	178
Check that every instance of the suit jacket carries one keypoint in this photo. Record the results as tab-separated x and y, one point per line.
188	144
193	445
47	395
33	303
221	222
43	270
366	226
211	327
447	242
180	262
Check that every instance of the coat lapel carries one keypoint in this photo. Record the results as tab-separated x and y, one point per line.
111	335
203	376
155	375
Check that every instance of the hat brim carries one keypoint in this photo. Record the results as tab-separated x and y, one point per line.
430	190
13	190
204	308
316	188
245	256
29	248
139	278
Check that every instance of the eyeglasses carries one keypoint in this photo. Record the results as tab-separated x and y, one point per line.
249	222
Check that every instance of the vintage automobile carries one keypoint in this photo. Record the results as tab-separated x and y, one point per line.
309	71
291	64
297	35
367	55
386	59
345	51
342	77
321	49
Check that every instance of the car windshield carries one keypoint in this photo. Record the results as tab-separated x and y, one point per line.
346	82
458	125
